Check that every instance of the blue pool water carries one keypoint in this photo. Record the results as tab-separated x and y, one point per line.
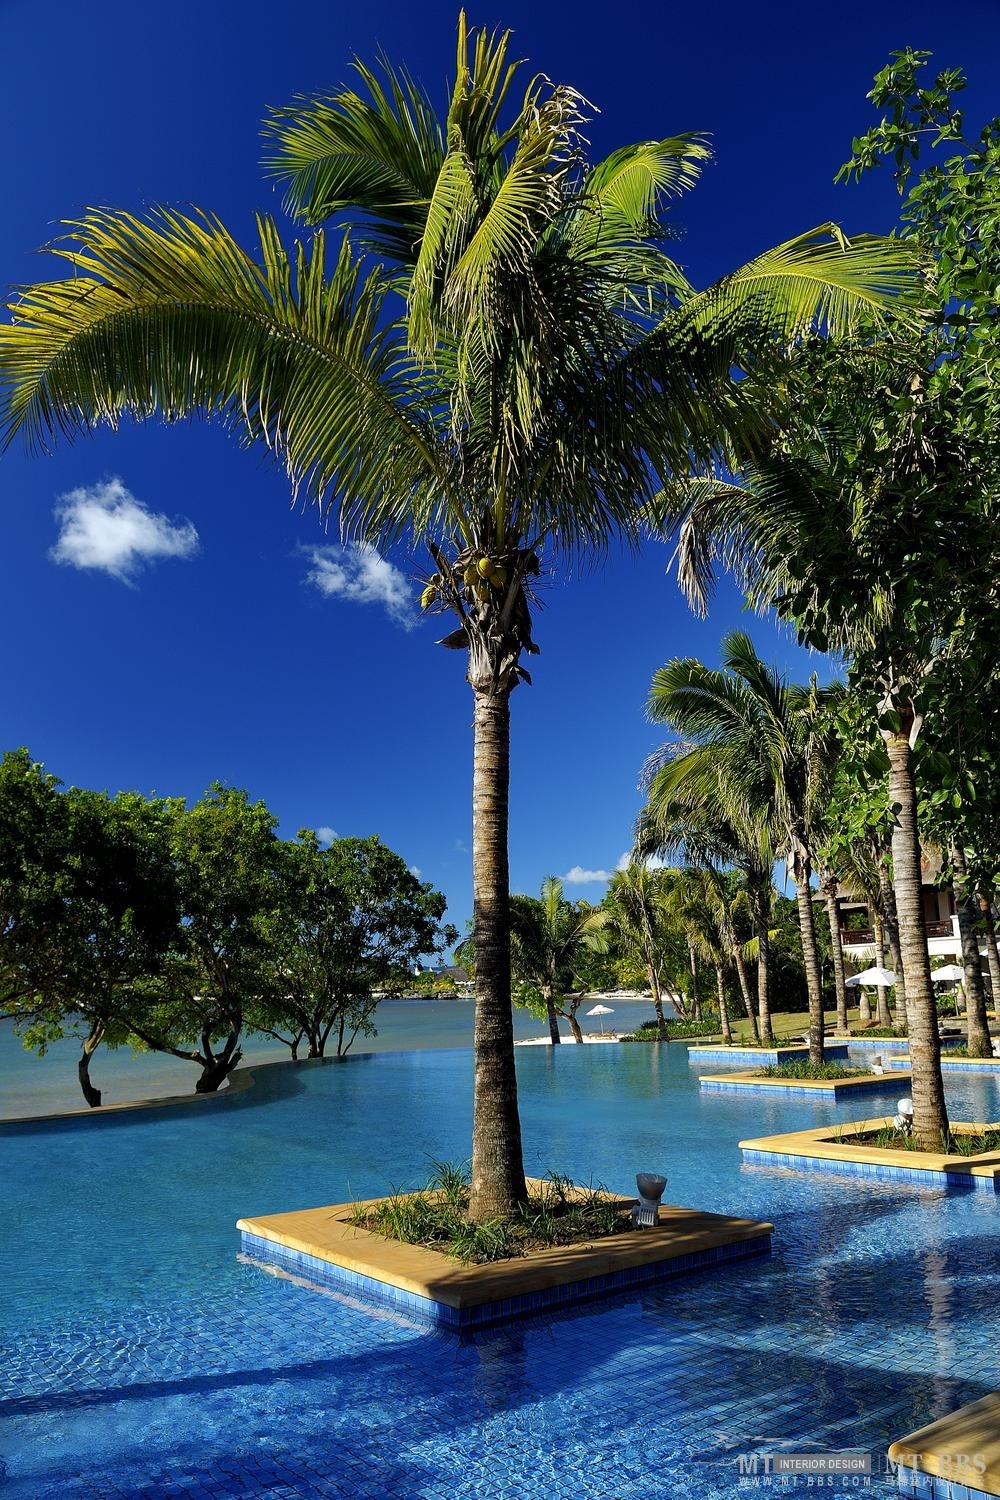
142	1359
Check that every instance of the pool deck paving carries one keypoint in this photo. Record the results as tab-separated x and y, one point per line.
435	1287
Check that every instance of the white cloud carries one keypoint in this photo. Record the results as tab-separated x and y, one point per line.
107	529
579	876
416	871
326	834
360	575
652	861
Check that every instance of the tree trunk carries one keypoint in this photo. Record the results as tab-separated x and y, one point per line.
930	1114
551	1016
967	906
654	985
216	1067
891	921
720	986
90	1045
884	1016
741	974
695	991
574	1024
810	957
829	888
762	922
498	1184
992	955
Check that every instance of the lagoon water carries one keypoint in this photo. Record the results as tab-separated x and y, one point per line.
142	1359
34	1086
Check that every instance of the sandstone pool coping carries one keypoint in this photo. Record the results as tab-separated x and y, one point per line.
443	1290
972	1433
831	1144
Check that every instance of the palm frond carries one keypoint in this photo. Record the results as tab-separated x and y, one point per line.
819	282
169	315
379	151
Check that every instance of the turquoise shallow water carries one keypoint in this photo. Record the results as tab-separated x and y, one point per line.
142	1359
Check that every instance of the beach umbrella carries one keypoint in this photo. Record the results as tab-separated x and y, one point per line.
601	1010
948	971
872	976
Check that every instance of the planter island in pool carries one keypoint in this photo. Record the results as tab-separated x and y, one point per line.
954	1064
813	1088
890	1043
323	1246
834	1148
956	1456
761	1056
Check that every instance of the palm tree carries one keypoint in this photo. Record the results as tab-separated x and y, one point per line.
546	936
633	916
774	748
835	531
501	362
686	821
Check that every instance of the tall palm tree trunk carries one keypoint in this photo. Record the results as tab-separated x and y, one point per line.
891	922
720	988
830	896
992	955
657	993
882	998
762	924
810	956
930	1114
741	974
967	907
695	987
551	1016
498	1184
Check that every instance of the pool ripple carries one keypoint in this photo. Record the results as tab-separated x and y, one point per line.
143	1360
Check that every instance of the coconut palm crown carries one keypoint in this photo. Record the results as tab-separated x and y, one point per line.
496	358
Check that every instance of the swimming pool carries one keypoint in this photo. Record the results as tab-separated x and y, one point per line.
142	1359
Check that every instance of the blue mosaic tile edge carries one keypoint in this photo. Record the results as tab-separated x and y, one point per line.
931	1487
836	1051
832	1090
962	1181
886	1043
489	1314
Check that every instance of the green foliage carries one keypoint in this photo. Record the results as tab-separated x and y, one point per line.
960	1143
349	923
556	1213
649	1031
801	1068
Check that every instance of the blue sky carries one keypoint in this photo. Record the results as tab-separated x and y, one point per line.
161	602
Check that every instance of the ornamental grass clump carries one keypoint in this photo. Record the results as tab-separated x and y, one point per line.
556	1213
964	1143
805	1069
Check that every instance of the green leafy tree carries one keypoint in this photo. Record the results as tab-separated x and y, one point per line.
91	909
225	854
502	363
350	923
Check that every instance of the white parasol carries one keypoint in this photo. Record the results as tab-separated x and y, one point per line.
601	1010
876	976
